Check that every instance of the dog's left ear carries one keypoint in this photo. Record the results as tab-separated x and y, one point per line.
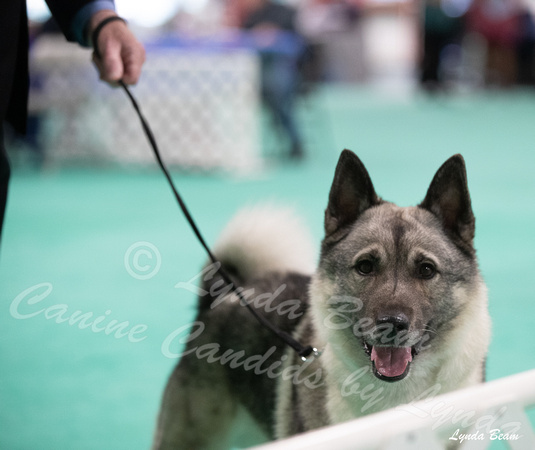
351	193
448	199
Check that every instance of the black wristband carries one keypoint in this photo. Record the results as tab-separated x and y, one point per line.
98	29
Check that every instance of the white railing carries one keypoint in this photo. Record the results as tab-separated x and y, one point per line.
474	417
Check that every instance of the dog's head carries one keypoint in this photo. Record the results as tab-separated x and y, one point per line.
393	279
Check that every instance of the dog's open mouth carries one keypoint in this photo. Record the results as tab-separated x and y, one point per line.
390	363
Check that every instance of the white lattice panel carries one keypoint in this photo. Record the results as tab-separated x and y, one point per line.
202	106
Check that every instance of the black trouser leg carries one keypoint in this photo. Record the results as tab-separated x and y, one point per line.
5	172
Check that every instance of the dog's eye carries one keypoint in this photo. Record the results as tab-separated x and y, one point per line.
365	267
426	271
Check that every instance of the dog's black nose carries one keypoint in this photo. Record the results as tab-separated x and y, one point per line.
399	322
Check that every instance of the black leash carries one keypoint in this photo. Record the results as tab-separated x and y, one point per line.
303	351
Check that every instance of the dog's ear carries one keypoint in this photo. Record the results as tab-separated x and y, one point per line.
448	199
351	193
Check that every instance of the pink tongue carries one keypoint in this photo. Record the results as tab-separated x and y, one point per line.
391	361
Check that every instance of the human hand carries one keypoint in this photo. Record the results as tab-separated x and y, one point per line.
121	54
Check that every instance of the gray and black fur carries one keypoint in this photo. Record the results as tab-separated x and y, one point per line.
396	306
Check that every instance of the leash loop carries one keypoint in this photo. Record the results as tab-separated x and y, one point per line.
96	32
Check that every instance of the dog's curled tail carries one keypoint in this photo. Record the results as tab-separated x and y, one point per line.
265	239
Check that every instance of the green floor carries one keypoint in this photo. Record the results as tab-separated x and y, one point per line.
62	387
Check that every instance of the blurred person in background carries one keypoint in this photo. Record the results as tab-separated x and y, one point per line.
122	57
499	23
525	49
441	28
273	33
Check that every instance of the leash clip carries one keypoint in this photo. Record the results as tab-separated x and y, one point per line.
313	351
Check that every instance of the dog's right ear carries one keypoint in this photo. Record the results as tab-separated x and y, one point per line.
351	193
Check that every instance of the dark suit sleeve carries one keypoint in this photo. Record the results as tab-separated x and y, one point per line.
64	12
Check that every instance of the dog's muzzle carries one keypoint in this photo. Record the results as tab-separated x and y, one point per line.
389	348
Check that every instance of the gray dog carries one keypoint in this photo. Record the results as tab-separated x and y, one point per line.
396	307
